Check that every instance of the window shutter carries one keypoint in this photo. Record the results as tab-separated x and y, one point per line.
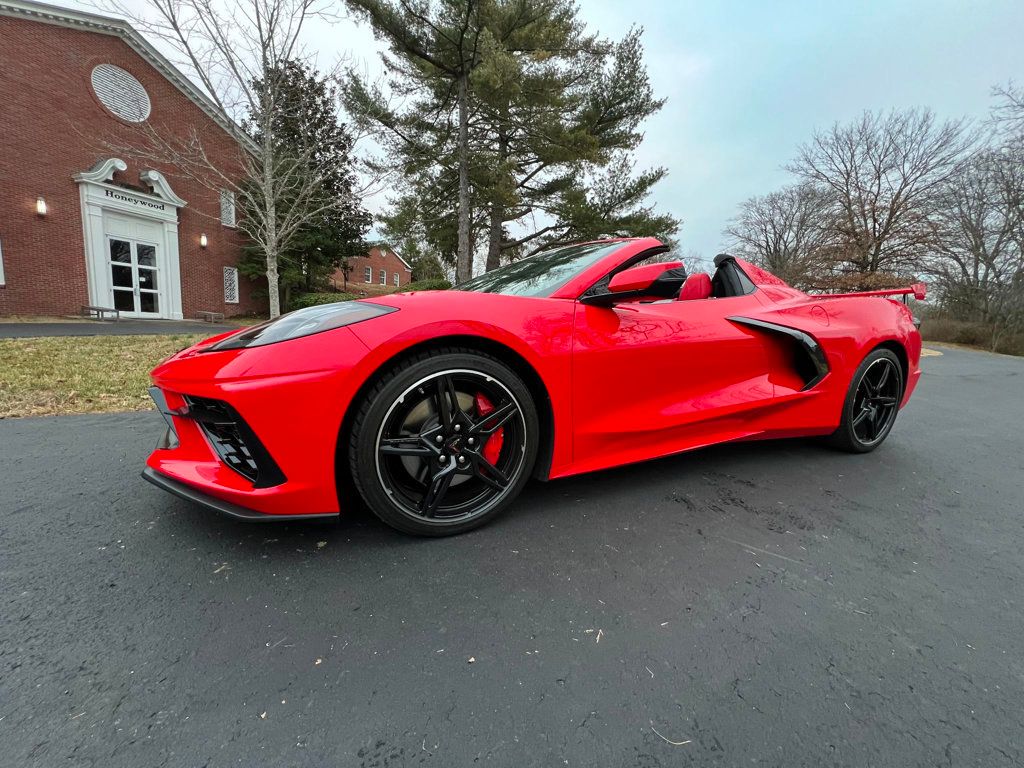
230	285
227	208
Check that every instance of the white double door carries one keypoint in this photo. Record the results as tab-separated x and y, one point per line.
135	266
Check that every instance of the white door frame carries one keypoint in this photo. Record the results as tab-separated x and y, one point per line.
98	195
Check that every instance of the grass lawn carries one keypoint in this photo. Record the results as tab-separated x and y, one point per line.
81	374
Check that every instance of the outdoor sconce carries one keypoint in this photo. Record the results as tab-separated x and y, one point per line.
203	242
41	206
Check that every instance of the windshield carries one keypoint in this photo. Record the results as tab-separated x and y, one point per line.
541	274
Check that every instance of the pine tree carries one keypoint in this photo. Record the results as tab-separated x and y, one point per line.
508	152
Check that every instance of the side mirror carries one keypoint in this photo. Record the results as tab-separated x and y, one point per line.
640	280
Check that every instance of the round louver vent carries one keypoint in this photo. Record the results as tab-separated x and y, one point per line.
121	93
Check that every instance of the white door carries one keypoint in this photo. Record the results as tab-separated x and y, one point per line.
135	281
136	266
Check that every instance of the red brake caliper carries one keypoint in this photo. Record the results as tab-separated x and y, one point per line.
492	448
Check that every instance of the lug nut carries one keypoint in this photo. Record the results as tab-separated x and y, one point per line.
471	441
458	427
440	438
462	459
442	458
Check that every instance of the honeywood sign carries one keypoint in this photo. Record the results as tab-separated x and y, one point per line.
136	201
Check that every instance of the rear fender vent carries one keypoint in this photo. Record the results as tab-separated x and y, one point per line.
809	360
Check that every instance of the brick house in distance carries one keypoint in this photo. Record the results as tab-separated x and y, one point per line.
381	270
82	224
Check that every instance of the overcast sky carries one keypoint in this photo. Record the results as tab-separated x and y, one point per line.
747	82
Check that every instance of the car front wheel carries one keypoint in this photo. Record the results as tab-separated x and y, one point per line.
444	442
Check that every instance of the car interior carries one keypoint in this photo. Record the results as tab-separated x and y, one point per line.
676	285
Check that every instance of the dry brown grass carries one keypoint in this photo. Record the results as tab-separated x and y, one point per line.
81	374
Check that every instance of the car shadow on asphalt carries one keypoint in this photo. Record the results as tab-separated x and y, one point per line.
689	488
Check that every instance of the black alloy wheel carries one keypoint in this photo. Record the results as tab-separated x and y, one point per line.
444	443
872	403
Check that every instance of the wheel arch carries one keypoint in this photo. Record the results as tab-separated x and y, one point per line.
504	353
900	351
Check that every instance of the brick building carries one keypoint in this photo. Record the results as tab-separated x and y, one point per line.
381	270
82	223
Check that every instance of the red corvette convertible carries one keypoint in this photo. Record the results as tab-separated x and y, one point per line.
437	407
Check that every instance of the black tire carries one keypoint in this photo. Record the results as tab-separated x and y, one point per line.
423	441
871	404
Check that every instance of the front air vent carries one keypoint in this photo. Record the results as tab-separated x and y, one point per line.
234	441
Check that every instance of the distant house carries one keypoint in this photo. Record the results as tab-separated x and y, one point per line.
381	270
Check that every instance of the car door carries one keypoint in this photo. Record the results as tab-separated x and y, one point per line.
651	379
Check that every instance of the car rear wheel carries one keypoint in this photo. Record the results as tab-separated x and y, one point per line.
871	404
444	442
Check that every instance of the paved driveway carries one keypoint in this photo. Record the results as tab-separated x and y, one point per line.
765	604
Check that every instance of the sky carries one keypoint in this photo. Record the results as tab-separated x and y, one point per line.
747	82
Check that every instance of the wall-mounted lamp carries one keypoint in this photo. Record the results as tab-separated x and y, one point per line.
203	242
41	206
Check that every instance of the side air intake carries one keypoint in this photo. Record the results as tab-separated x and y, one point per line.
809	360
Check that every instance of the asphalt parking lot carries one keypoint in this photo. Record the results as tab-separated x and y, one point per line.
772	604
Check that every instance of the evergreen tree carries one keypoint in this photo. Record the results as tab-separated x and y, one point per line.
523	157
306	129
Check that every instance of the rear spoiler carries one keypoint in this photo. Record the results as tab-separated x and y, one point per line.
917	289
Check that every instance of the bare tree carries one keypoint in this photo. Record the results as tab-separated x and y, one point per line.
237	50
1008	114
786	232
881	175
979	261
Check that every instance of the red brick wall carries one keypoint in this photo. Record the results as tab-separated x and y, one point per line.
376	258
53	126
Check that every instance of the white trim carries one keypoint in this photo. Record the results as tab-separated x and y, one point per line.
65	17
3	282
156	181
99	198
103	170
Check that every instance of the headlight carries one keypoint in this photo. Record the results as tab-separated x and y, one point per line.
302	322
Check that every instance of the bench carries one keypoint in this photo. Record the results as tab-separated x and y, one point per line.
100	313
211	317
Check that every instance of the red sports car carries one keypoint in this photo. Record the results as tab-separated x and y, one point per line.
437	407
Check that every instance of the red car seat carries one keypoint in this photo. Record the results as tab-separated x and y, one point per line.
697	286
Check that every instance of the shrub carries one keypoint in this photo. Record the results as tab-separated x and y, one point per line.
304	300
434	284
972	334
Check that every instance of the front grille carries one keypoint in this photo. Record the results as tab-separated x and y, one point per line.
234	441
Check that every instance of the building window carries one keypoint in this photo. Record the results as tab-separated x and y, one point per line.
383	277
227	208
2	282
368	275
397	283
230	285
